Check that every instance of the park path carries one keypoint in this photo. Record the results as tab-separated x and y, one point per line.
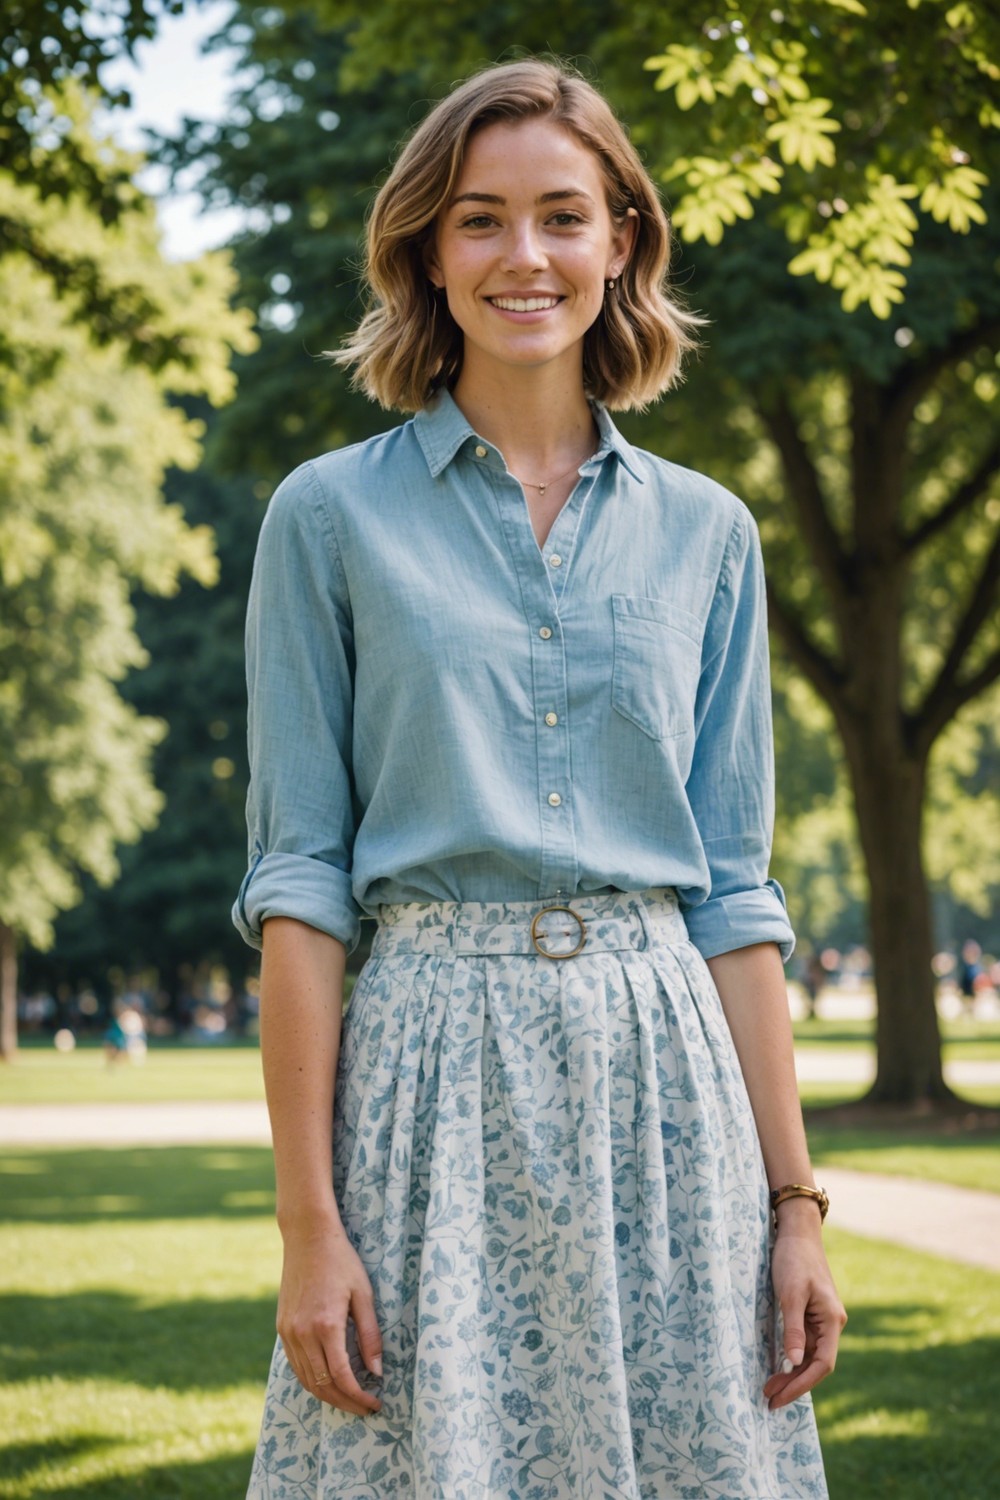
825	1064
182	1124
959	1224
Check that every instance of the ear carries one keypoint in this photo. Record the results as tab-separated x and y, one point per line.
623	243
432	265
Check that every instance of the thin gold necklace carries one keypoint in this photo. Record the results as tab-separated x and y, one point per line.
541	488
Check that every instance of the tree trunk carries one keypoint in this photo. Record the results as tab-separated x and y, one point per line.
889	797
8	993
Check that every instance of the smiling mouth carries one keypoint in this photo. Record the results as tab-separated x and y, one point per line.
524	304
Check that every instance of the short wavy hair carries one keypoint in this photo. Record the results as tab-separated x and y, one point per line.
407	344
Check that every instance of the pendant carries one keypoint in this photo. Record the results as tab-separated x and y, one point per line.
541	488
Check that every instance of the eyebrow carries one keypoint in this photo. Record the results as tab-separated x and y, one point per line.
558	195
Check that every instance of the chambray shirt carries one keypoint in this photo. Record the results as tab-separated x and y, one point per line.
440	709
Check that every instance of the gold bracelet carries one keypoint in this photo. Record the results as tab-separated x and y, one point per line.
800	1190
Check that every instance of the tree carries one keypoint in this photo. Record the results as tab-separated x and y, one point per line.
168	910
89	428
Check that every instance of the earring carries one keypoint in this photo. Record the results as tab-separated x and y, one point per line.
610	285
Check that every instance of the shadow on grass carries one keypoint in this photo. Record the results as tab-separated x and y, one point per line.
18	1460
152	1182
945	1394
215	1479
110	1335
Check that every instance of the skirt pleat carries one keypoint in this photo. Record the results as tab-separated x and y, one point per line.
551	1173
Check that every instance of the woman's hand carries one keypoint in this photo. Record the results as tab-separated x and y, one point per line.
812	1313
322	1282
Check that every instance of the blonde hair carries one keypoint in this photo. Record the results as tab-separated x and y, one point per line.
407	344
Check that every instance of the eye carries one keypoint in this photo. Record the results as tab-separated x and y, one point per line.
566	218
477	221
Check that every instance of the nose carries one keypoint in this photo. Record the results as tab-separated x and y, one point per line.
523	250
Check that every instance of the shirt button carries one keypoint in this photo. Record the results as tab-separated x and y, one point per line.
554	799
555	561
551	719
480	451
545	633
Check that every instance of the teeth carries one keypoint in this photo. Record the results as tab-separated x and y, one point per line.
524	304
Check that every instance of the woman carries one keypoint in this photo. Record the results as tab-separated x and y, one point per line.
509	695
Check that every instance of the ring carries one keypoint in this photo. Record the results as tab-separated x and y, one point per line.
322	1379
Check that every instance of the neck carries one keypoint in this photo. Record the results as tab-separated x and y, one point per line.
541	425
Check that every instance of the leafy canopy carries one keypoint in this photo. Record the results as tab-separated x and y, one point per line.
844	118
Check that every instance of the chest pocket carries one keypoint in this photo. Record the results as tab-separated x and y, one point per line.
657	663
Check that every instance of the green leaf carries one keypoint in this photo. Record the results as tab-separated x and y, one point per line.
803	134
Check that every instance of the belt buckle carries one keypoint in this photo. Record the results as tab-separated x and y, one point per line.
568	910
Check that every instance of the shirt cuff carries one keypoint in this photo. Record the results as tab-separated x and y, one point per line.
723	923
294	885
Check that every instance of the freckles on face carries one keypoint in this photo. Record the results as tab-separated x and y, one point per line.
526	243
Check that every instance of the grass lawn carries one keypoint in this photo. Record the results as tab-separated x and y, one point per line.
910	1409
136	1320
976	1041
41	1075
963	1159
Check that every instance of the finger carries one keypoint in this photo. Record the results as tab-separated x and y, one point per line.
297	1360
367	1330
322	1383
793	1317
795	1385
339	1365
782	1389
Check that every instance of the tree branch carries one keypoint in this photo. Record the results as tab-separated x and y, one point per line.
821	670
948	693
917	377
960	694
964	496
807	497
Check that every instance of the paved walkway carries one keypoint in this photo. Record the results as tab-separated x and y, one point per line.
822	1064
956	1223
187	1124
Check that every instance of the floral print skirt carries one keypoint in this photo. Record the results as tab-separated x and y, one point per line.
550	1170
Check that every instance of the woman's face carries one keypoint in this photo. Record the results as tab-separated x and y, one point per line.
525	246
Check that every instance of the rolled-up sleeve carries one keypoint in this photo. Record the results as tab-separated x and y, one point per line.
300	673
731	785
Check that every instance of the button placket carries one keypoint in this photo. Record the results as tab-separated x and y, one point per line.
561	540
559	862
559	867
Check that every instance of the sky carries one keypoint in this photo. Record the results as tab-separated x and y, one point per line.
168	80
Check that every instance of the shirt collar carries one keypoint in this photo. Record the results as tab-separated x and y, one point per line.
442	430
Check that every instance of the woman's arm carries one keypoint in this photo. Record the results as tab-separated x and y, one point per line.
323	1279
751	986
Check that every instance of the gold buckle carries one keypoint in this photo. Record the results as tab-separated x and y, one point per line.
570	913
